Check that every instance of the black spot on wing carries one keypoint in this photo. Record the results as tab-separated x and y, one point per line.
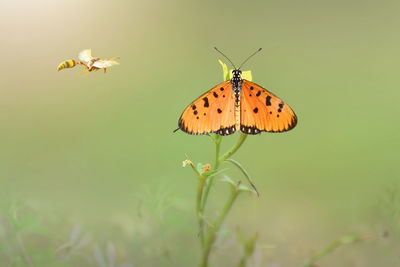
215	95
219	111
268	101
258	93
255	110
206	104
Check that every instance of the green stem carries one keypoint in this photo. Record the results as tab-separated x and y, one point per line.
212	231
342	241
199	208
228	154
217	141
202	196
218	161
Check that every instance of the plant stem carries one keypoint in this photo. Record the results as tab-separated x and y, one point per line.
218	161
203	188
341	241
212	231
199	207
228	154
217	141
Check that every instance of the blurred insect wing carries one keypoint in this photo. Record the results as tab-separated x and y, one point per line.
104	63
86	55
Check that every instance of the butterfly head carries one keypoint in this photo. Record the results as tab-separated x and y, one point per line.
236	73
236	77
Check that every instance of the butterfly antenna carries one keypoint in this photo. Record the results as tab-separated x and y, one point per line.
258	50
225	57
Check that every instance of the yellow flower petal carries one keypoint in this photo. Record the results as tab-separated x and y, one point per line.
246	74
224	70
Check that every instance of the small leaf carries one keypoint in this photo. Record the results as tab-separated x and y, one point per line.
246	174
214	172
227	179
199	166
242	188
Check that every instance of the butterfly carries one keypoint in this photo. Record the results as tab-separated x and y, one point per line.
237	104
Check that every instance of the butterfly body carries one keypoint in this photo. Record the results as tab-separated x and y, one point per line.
237	104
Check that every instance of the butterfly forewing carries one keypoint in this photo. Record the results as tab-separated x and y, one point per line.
213	112
260	110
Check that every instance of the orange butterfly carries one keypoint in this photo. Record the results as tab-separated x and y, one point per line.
237	104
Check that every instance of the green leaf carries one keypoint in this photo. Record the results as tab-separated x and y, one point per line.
227	179
214	172
246	174
239	187
199	166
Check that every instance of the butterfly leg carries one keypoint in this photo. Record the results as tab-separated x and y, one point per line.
104	70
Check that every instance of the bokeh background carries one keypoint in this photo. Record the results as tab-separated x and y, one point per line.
94	159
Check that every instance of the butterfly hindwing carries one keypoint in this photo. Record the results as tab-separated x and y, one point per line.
213	112
260	110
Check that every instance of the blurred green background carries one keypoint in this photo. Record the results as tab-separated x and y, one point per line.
96	154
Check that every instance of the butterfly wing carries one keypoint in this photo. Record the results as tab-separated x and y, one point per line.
260	110
85	55
213	112
104	63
